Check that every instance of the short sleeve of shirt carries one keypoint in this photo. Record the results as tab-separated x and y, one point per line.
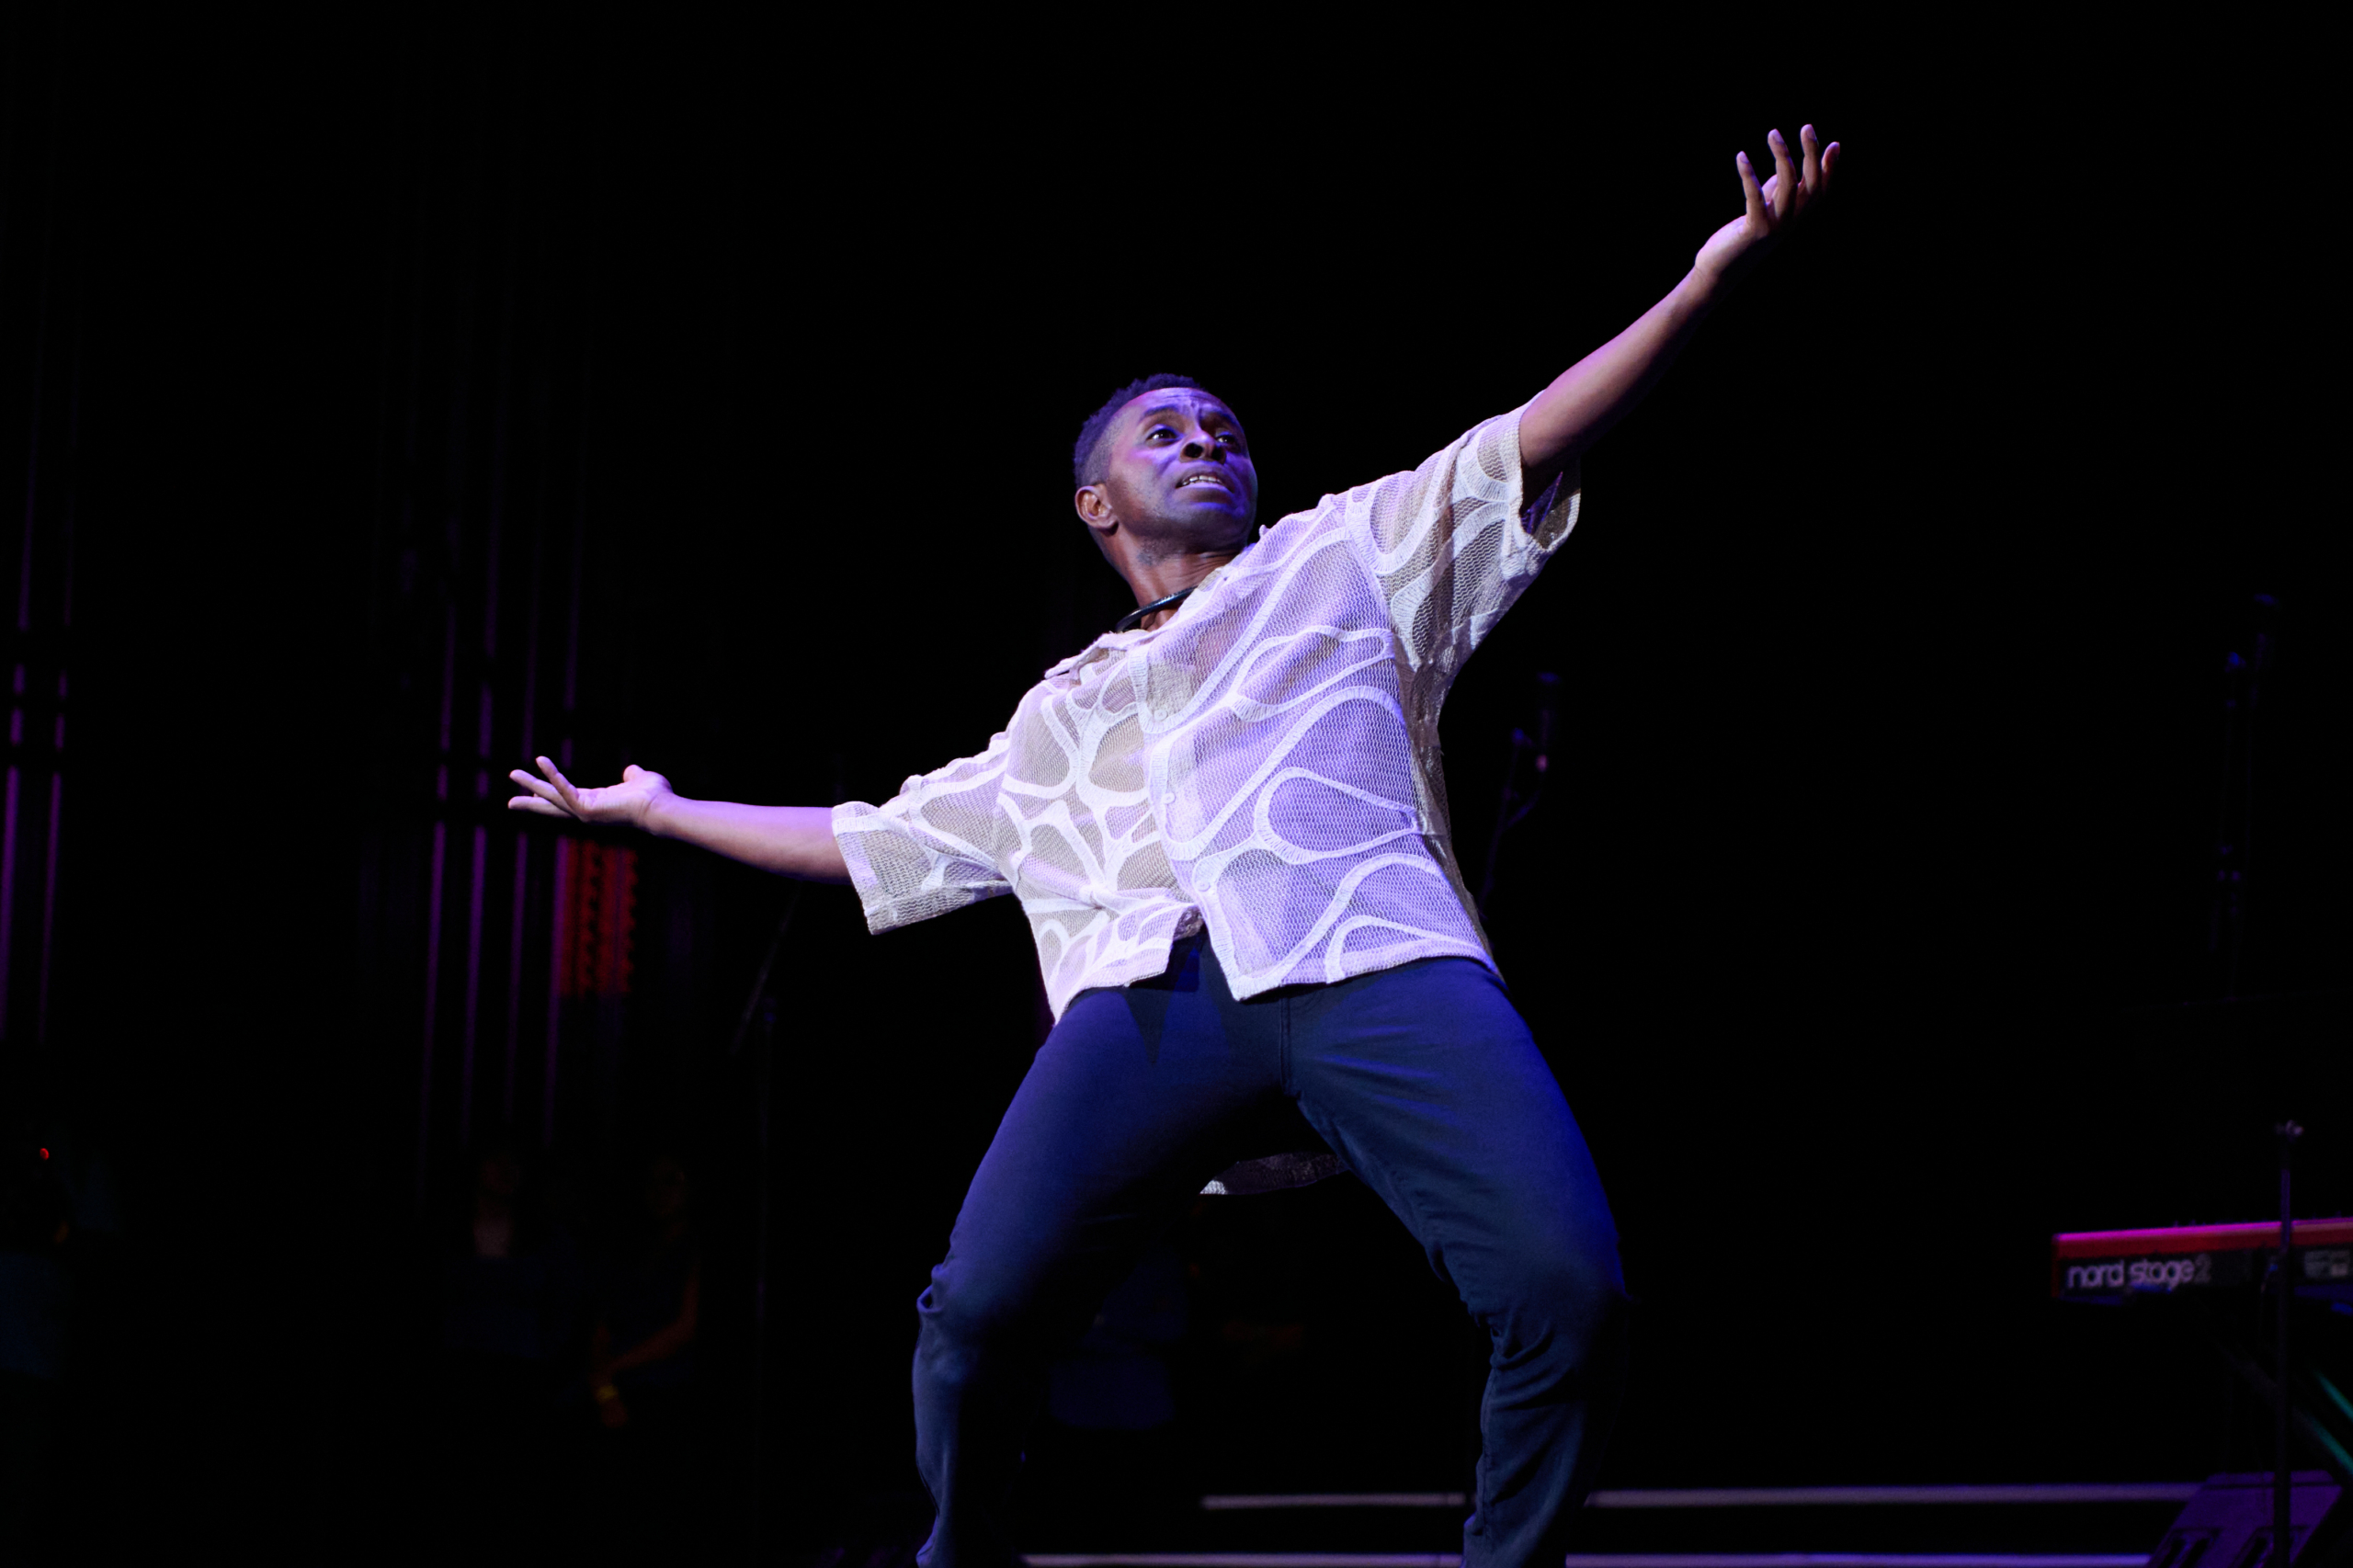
931	848
1455	541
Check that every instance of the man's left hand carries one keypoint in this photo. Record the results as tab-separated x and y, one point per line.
1772	207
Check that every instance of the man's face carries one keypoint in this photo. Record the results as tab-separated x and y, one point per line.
1181	471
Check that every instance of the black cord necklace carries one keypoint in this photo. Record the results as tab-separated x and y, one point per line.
1134	618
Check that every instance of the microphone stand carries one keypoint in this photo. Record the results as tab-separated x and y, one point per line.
1512	808
2283	1481
760	1005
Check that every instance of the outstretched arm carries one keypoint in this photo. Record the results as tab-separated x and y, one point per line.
793	841
1595	394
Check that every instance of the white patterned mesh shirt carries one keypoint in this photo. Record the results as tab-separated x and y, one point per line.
1265	764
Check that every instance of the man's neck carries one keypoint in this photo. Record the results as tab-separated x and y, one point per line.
1155	576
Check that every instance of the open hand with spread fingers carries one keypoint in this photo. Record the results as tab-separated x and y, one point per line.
793	841
627	801
1772	207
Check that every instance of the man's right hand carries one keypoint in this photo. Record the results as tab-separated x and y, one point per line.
632	800
793	841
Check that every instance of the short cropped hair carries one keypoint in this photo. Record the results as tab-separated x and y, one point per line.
1087	463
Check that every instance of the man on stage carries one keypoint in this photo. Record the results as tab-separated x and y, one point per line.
1226	821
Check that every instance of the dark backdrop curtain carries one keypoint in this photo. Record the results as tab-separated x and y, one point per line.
410	395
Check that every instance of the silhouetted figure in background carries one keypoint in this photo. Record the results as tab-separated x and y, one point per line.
1108	1458
509	1309
52	1205
641	1352
35	1229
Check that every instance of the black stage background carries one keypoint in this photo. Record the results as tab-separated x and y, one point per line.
1865	918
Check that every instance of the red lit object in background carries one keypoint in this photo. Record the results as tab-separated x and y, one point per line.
44	1153
600	919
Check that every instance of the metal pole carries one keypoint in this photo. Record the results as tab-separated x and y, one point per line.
760	1006
760	1282
2283	1480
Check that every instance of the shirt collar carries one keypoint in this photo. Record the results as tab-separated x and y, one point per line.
1120	642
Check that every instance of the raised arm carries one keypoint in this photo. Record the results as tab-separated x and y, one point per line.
792	841
1595	393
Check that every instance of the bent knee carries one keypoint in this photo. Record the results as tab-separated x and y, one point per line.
1567	1299
954	1311
963	1312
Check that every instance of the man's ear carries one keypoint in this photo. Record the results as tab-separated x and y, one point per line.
1094	510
